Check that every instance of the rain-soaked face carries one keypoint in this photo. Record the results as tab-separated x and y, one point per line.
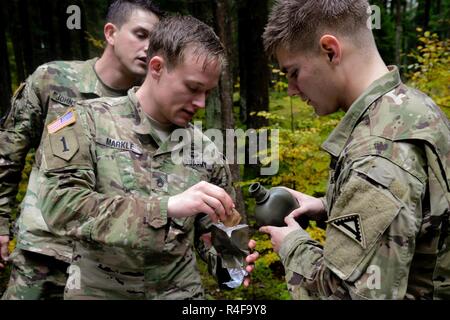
311	78
131	41
181	90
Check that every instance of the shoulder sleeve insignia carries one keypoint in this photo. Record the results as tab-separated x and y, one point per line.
63	121
351	226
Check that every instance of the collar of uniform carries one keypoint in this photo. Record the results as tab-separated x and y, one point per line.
145	131
89	82
338	138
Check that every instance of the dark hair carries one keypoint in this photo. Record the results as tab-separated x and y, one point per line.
298	24
120	10
174	34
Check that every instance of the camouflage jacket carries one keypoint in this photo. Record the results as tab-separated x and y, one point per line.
106	181
387	202
45	95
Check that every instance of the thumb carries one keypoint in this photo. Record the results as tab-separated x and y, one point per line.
266	229
298	212
290	221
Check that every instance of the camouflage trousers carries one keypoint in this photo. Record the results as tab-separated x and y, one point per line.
35	276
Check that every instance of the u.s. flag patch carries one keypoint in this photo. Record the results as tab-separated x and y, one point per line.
63	121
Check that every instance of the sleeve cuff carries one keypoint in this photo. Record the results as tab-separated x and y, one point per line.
291	241
324	202
157	217
299	253
4	227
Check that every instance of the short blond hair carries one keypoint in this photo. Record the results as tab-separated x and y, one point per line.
298	24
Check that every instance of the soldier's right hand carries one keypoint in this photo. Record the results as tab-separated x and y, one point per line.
203	197
4	253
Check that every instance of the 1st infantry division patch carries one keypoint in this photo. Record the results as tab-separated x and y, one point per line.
351	226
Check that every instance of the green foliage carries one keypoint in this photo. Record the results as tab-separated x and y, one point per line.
431	73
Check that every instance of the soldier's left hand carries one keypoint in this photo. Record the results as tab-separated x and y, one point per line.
277	234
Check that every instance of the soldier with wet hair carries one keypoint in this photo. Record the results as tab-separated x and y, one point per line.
112	181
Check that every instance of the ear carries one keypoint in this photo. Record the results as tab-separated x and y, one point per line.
331	47
155	66
109	31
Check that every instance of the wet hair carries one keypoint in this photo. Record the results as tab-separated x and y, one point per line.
173	35
120	10
299	24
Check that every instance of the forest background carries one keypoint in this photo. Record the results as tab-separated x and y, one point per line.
413	34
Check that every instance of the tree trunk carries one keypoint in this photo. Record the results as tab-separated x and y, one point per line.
65	42
253	18
398	30
16	30
84	45
423	14
5	75
254	71
28	48
223	26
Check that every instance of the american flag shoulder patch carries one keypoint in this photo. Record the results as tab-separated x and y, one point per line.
63	121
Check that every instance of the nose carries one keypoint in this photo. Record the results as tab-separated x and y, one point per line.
293	88
199	100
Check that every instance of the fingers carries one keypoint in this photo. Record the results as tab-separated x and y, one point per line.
4	253
219	194
215	205
251	258
290	221
266	229
252	244
246	282
205	208
298	212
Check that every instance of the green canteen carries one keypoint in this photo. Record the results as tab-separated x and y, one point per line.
273	205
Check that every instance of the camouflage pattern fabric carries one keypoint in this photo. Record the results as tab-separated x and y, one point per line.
108	178
35	276
46	95
387	202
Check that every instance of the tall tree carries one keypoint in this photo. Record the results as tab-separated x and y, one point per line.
84	45
5	76
423	14
223	27
398	30
28	48
65	41
253	62
16	31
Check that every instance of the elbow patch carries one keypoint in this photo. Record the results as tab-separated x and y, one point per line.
362	213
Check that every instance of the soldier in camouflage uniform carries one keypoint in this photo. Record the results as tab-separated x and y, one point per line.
387	203
115	176
40	259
